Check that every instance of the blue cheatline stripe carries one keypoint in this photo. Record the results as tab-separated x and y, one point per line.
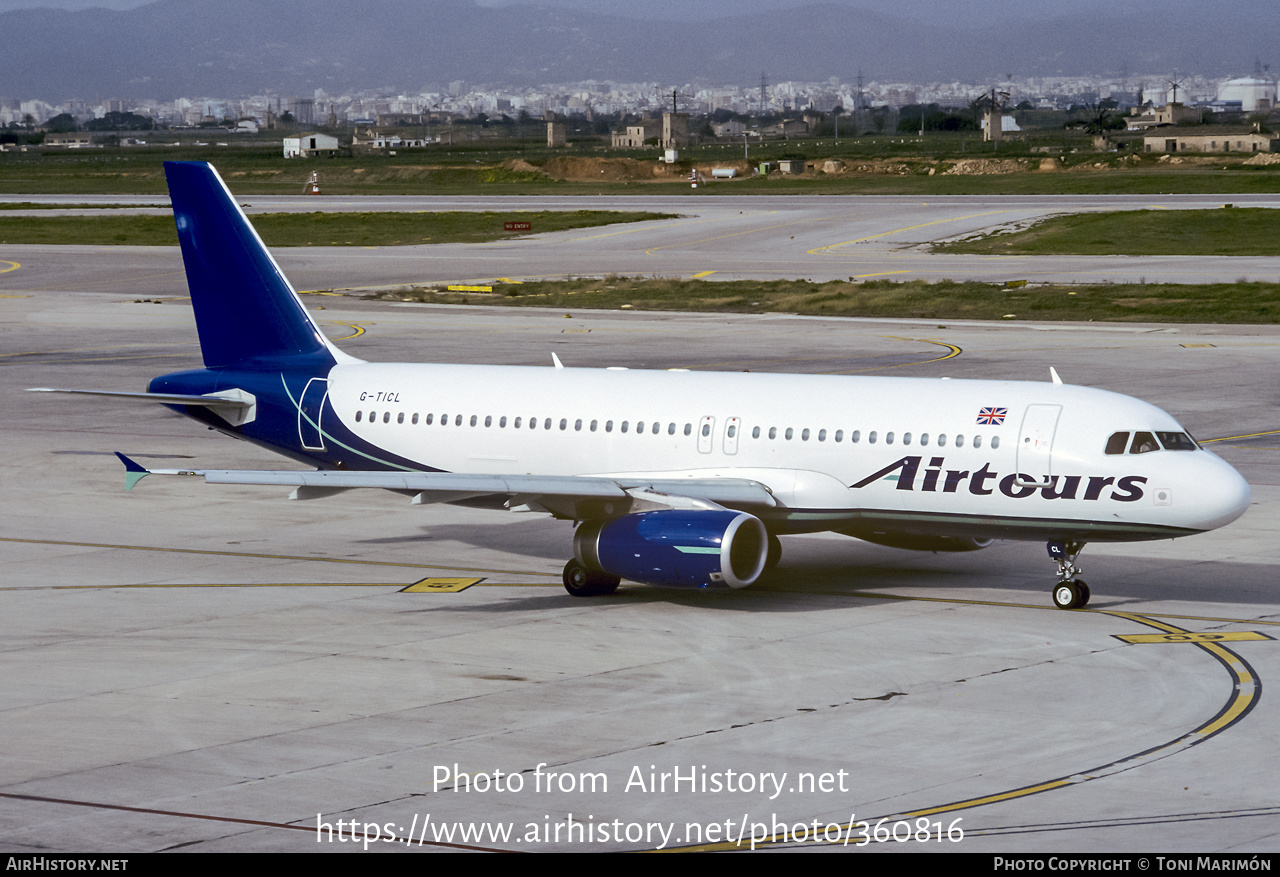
297	405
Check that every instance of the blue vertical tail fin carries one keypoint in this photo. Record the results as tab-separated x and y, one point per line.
245	309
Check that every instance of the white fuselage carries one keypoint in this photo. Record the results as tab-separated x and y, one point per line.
814	441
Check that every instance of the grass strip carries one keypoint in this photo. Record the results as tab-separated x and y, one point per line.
1252	231
32	205
316	229
943	300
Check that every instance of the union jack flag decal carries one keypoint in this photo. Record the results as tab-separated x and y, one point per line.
992	416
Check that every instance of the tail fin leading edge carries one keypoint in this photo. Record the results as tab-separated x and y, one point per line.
245	309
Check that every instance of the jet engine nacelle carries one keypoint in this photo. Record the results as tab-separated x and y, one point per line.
676	547
918	542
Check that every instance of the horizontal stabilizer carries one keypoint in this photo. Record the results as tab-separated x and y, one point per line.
235	406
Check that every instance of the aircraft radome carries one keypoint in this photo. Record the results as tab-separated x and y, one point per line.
676	478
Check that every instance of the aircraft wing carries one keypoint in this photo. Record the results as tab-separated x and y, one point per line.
568	496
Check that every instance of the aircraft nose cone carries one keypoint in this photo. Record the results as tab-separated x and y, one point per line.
1226	495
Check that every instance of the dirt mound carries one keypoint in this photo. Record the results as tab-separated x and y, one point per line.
583	168
979	166
866	167
1264	158
521	166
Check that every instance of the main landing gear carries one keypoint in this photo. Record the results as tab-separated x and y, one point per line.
1070	592
582	582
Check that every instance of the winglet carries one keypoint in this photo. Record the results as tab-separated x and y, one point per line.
133	472
1053	373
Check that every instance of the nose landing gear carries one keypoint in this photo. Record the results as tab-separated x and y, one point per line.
1070	592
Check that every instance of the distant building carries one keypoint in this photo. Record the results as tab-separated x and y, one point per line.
786	128
1169	114
556	135
1210	138
67	141
731	128
371	140
675	130
307	145
401	120
636	135
303	110
1255	93
1008	125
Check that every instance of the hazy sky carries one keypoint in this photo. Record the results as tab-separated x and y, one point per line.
971	11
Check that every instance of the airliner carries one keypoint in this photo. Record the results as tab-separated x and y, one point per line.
673	478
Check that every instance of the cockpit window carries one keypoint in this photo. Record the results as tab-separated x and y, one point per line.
1146	442
1176	441
1143	443
1117	443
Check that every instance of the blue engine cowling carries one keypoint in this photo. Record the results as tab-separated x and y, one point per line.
676	547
